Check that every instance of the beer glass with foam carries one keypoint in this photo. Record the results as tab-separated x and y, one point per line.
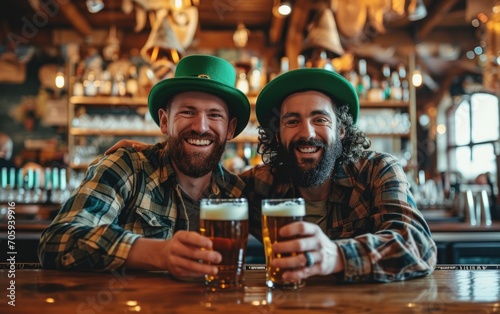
225	222
275	214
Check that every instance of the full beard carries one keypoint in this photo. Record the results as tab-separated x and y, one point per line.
314	175
194	164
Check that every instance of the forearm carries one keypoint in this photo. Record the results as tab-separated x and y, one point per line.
73	246
144	254
388	256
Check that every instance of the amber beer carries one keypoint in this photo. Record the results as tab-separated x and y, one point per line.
225	222
275	214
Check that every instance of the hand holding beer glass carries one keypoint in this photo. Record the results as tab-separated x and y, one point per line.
225	222
275	214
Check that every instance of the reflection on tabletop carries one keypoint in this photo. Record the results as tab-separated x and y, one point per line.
445	291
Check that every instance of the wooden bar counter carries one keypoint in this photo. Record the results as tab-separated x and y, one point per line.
47	291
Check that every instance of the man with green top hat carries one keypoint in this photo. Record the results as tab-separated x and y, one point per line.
140	209
361	220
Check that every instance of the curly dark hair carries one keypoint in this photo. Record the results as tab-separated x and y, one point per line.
354	142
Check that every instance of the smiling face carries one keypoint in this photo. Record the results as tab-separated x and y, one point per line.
198	126
311	137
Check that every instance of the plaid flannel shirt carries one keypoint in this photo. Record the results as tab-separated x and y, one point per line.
124	196
372	217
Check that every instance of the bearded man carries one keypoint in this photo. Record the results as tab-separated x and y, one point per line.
361	222
140	209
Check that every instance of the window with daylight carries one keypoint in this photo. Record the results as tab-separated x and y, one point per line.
474	134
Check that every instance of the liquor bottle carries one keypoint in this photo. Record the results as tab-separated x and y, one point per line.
78	89
326	63
284	65
242	83
396	91
119	87
405	85
89	86
255	75
352	77
386	84
376	93
106	84
364	81
132	85
301	61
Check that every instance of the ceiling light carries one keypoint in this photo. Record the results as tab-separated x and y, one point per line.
496	7
95	6
419	13
282	8
178	5
416	78
59	81
285	8
240	37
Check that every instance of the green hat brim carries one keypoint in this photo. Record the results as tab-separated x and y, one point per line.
236	101
327	82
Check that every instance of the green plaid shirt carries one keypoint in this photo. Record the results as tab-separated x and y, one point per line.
371	216
124	196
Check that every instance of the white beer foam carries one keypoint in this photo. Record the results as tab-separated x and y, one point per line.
225	211
285	209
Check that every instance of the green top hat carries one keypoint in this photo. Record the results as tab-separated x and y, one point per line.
327	82
202	73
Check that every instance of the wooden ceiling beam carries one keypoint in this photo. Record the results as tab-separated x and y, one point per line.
210	40
72	13
435	17
295	37
276	30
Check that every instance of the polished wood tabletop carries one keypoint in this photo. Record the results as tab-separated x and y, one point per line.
48	291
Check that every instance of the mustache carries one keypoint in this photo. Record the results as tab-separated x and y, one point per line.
195	135
309	142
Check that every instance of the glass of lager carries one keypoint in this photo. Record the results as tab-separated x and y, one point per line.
275	214
225	222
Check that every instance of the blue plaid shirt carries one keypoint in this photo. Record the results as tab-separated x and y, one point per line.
124	196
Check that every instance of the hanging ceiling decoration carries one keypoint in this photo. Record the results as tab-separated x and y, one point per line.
240	37
173	28
491	73
323	34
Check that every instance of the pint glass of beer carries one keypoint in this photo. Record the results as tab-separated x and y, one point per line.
225	222
275	214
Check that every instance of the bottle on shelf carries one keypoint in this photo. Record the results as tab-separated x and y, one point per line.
352	77
89	84
396	90
405	85
301	61
106	84
284	65
242	83
375	93
132	85
255	75
386	83
119	87
364	82
78	89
